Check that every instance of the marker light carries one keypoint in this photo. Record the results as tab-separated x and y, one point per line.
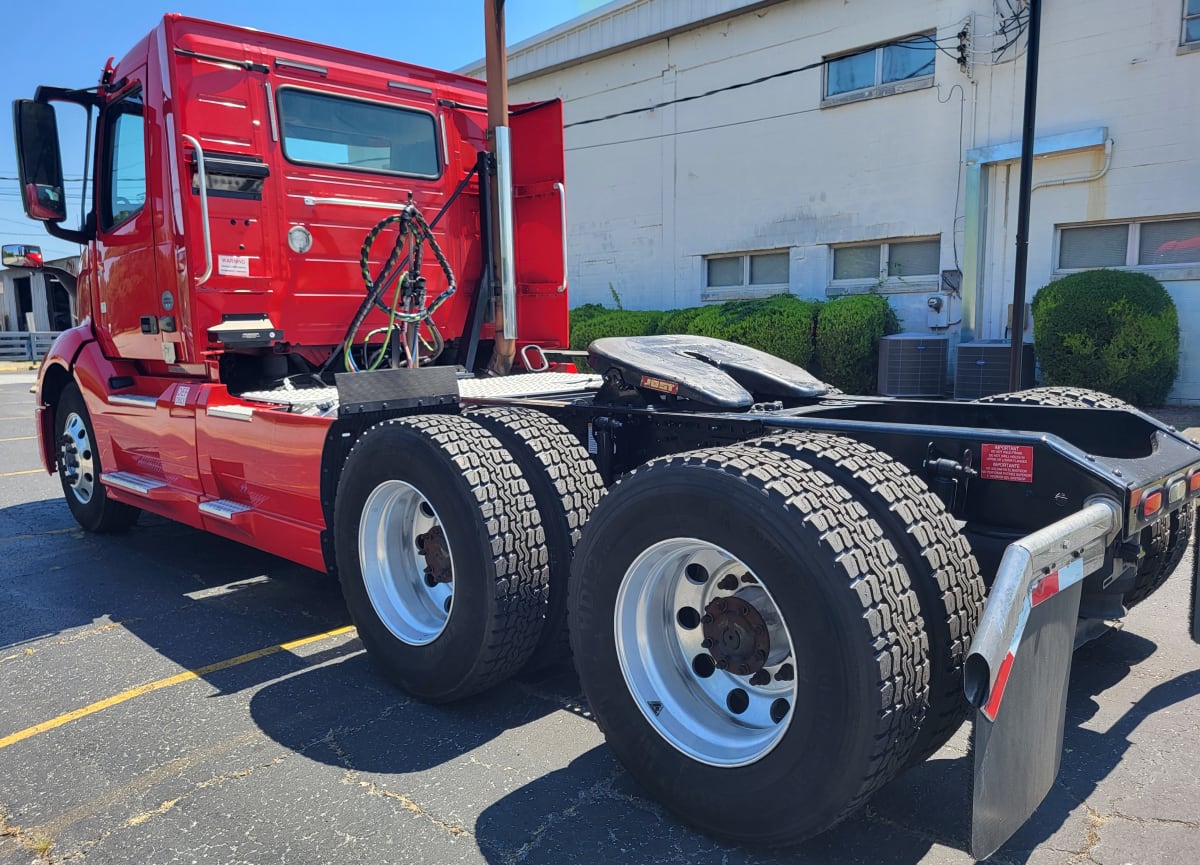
1151	504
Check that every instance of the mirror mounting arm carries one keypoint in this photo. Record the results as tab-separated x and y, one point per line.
80	235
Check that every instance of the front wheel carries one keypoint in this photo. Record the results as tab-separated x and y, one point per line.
79	469
748	643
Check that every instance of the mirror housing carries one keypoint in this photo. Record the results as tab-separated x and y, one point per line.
39	164
21	255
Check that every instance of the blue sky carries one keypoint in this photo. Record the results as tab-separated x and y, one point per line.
66	43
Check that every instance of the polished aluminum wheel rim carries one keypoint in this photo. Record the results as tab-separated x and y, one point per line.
721	717
77	461
396	567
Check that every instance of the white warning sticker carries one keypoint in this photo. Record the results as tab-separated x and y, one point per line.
233	265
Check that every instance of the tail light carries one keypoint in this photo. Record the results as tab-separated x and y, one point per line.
1193	482
1152	503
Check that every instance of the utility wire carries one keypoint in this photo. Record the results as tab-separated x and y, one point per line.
899	43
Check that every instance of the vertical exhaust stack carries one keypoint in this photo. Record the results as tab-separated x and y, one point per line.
496	65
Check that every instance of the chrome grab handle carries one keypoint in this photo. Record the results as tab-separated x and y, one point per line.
538	362
203	209
562	196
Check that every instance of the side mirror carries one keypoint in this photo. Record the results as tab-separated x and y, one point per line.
39	163
20	255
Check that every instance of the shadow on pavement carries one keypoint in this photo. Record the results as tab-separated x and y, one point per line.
927	806
192	597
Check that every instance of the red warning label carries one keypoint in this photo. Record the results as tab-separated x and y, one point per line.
1007	463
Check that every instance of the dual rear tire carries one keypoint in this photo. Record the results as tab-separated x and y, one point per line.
753	628
756	627
454	537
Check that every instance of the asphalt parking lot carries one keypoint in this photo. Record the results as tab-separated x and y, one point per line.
171	697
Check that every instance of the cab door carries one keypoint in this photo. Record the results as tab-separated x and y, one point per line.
125	257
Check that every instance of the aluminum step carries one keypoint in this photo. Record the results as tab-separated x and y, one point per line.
223	508
130	482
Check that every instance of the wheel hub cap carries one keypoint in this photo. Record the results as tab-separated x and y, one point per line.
736	636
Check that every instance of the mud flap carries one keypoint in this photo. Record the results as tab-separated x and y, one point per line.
1017	753
1017	671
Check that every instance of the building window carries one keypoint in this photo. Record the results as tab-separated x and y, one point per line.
1150	243
738	276
892	261
1191	22
893	67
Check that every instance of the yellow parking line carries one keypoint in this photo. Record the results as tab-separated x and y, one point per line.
23	472
178	678
19	439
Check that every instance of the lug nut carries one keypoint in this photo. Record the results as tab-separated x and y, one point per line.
706	643
722	664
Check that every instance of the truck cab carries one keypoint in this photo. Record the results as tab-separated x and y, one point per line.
236	175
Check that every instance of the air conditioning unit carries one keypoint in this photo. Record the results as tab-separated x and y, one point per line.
982	368
913	364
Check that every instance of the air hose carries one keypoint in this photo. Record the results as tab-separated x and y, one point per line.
408	308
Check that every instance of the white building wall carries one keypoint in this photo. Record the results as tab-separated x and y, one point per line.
767	168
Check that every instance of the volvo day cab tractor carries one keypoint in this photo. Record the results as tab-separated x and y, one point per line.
318	298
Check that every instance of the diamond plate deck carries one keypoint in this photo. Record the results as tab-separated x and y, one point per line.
500	387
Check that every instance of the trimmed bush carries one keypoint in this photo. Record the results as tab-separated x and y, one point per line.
1110	330
847	342
781	325
614	322
679	320
582	313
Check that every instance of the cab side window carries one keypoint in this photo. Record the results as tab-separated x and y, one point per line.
125	167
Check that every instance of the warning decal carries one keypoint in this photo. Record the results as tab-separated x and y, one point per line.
1007	463
233	265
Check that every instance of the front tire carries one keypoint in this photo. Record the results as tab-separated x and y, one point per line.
441	555
79	469
748	643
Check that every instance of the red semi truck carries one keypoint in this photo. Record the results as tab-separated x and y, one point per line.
309	278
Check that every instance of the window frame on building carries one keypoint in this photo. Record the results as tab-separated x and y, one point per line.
1191	19
884	280
1133	252
746	289
879	88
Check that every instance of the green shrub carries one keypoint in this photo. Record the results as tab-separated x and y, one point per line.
614	322
847	343
1110	330
679	320
781	325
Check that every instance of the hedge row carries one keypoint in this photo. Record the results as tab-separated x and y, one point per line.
838	340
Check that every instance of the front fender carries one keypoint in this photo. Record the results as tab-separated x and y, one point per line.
54	375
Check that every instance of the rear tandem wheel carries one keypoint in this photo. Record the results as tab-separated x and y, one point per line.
440	555
941	568
748	643
566	487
